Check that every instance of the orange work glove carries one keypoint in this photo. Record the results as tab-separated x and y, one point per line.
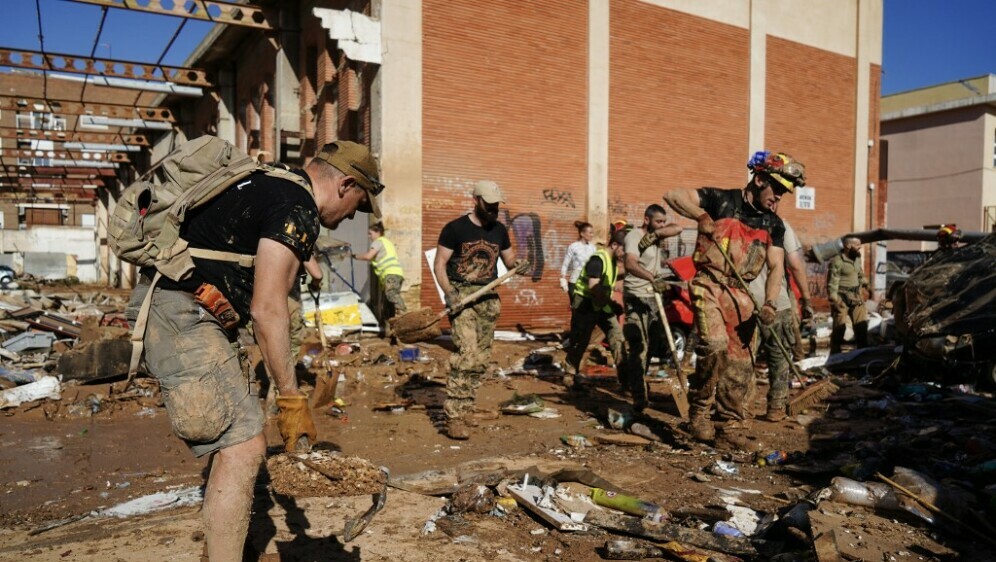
295	421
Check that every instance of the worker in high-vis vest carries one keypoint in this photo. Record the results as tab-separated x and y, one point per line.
384	258
592	305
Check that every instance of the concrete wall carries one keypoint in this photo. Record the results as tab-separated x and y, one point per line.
36	244
937	169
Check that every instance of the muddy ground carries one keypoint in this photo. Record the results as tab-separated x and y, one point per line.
58	460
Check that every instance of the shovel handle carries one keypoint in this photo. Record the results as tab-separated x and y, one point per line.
477	294
670	341
318	319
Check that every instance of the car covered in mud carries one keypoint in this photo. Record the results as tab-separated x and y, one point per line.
946	314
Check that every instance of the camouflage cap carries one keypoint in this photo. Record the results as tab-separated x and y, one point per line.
355	160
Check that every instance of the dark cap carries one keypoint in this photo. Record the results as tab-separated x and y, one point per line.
355	160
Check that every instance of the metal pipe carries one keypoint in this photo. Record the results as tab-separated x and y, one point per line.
825	251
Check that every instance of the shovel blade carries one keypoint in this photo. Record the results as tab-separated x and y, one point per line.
680	396
325	386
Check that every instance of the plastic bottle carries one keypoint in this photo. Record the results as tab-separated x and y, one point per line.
773	458
628	504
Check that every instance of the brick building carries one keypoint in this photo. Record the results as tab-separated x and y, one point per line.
579	109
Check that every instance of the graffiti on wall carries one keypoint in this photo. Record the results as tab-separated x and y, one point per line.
527	231
558	197
817	274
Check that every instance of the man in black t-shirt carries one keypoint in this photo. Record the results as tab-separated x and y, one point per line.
199	363
467	258
741	224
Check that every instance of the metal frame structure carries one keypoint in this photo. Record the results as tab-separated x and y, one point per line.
215	11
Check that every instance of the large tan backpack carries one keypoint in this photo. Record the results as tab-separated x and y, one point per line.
144	228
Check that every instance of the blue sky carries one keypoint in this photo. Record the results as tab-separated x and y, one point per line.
71	28
925	42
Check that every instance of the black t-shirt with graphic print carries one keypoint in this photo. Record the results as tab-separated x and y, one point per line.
730	204
476	250
257	207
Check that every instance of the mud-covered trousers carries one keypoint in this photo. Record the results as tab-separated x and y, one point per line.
724	371
203	371
778	362
473	333
643	331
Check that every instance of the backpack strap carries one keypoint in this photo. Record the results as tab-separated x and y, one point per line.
244	260
138	333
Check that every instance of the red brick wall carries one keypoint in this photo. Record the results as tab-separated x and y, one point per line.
505	99
875	155
810	115
679	105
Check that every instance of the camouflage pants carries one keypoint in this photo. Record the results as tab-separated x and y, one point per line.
584	318
724	372
392	293
778	363
473	333
849	305
643	331
202	371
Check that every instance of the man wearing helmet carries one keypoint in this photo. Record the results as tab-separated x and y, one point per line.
742	224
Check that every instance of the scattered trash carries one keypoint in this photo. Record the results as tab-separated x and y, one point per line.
45	387
722	468
619	420
629	504
576	441
722	528
545	414
409	354
521	405
472	498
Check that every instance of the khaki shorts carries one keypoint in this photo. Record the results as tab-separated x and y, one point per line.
202	374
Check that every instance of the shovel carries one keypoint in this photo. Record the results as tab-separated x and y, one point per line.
678	392
325	383
423	324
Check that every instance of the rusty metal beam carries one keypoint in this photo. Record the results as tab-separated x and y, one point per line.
207	10
54	182
57	62
72	107
12	169
73	136
74	155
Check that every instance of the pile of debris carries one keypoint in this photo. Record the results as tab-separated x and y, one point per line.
47	341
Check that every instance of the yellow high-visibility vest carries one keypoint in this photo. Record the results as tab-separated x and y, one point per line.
609	272
388	264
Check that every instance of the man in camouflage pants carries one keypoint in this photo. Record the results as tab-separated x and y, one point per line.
467	258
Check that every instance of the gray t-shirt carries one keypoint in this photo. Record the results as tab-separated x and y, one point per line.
651	259
783	302
379	246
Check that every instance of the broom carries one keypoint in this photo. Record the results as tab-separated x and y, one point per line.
817	392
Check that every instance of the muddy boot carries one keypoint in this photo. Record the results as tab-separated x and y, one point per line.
775	413
735	435
457	429
701	428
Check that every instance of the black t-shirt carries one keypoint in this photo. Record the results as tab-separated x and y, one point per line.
476	250
257	207
730	203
